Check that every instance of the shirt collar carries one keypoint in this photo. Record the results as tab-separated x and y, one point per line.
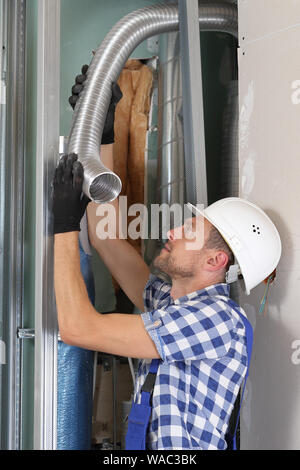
221	289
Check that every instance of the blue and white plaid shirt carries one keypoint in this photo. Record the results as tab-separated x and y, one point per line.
202	344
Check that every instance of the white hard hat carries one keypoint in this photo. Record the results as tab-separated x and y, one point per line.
251	235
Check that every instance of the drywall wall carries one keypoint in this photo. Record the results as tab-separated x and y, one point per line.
269	164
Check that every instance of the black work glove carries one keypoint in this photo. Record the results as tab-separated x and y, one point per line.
108	136
69	204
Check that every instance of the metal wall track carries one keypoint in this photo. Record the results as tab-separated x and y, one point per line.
12	214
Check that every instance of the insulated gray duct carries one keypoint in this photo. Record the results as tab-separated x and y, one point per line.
100	184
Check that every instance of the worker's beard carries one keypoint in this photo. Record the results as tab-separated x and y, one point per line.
167	264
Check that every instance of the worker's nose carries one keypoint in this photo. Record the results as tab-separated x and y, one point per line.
175	233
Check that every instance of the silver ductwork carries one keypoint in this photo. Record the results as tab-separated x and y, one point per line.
101	184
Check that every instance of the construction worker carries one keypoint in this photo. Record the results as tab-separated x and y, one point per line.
190	335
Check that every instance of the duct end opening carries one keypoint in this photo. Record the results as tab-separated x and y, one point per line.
105	188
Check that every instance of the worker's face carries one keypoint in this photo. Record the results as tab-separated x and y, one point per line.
182	257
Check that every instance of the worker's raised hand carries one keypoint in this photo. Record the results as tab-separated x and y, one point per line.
108	136
78	87
69	204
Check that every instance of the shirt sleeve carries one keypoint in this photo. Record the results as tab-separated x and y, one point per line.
185	332
156	291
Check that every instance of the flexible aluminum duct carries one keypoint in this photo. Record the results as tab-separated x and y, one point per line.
101	184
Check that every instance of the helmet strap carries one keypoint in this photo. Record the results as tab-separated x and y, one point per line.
232	273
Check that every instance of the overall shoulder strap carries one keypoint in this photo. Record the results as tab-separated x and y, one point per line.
140	413
148	387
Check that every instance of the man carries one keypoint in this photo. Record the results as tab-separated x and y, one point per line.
188	324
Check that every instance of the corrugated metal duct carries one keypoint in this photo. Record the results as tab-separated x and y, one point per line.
101	184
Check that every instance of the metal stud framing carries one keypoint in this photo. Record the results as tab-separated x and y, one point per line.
46	158
193	118
12	214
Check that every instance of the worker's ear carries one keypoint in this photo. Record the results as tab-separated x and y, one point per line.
216	260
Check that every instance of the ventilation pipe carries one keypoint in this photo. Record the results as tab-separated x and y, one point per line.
101	184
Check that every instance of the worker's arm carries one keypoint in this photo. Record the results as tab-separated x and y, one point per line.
79	323
125	264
